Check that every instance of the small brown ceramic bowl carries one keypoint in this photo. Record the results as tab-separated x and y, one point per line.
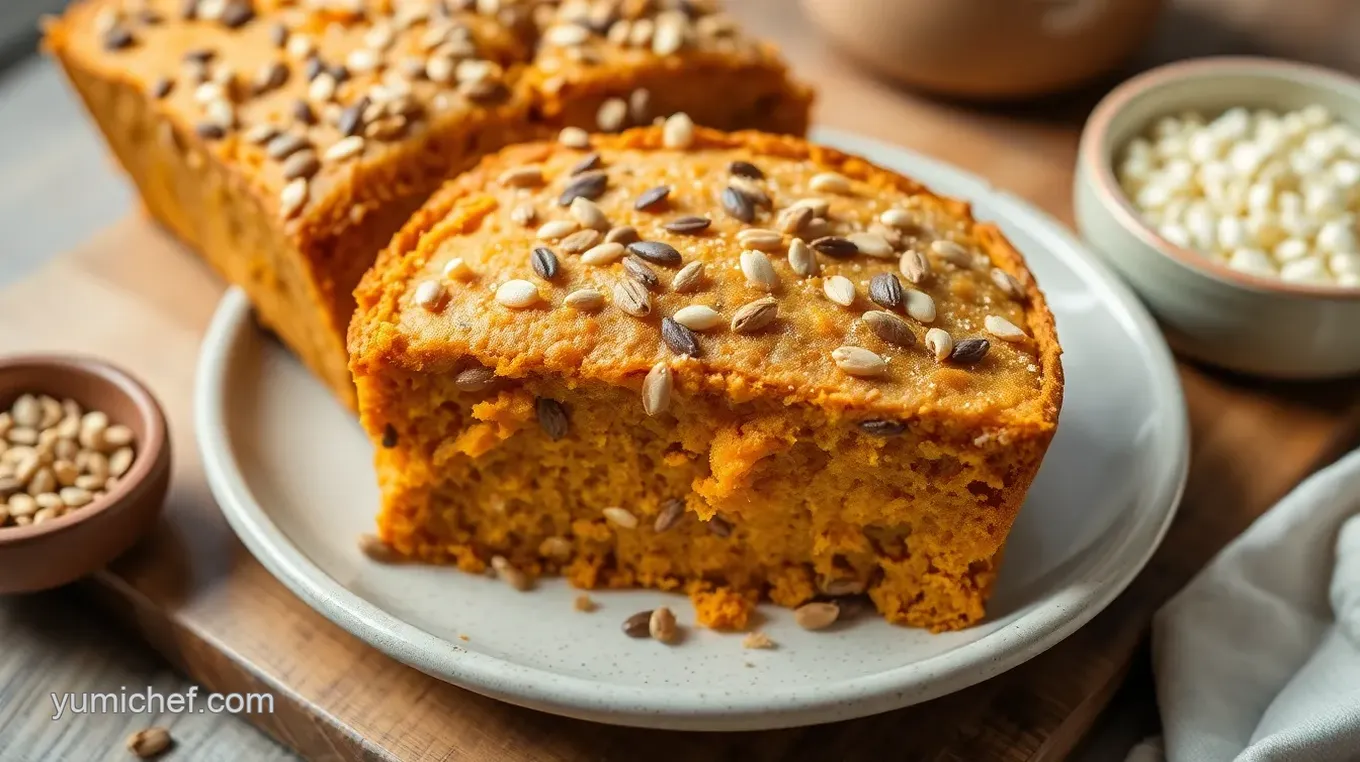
66	548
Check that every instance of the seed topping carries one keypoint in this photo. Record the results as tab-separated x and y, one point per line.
969	351
680	339
755	316
840	290
882	428
745	169
552	417
758	270
835	246
656	389
737	204
639	271
698	317
1004	329
940	343
671	511
678	131
689	278
631	297
603	254
590	185
584	300
688	225
517	294
889	328
651	197
886	291
655	252
475	379
858	361
544	262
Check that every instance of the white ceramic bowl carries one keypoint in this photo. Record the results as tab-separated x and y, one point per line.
1257	325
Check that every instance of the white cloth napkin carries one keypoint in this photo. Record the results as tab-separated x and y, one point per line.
1258	658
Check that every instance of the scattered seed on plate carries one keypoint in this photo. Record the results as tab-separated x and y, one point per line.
688	225
585	604
670	512
886	291
638	625
651	197
584	300
816	615
757	640
840	290
678	131
858	361
656	389
509	574
698	317
940	343
889	328
680	339
1003	329
552	417
544	262
920	305
603	254
517	294
755	316
661	625
969	351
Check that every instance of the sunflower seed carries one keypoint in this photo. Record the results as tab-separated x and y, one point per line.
914	267
820	207
680	339
756	315
760	238
738	204
632	298
656	389
148	742
745	169
603	254
574	137
611	115
670	512
678	131
886	291
430	294
651	197
590	185
835	246
858	361
801	258
591	161
624	235
74	497
236	14
840	290
301	164
882	428
1004	329
268	77
589	214
285	145
794	219
260	134
897	218
584	300
475	379
872	244
1008	284
639	271
655	252
689	278
638	625
293	197
698	317
661	625
544	262
829	182
507	573
552	417
517	294
817	615
920	305
529	176
758	270
345	148
940	343
890	328
580	241
969	351
688	225
620	517
952	253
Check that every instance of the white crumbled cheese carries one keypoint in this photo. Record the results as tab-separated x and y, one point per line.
1265	193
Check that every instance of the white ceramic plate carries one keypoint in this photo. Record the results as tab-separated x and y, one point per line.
292	472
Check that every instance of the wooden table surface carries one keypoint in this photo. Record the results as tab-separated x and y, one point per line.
1252	441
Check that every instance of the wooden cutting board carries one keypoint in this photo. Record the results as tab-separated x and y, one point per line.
133	296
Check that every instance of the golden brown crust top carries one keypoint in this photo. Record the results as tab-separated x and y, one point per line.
860	279
302	98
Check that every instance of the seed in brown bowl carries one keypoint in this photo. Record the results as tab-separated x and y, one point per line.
57	457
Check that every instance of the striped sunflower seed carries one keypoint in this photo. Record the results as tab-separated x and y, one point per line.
840	290
631	297
920	305
603	254
689	278
889	328
589	214
656	252
858	361
517	294
475	379
752	190
886	291
638	625
580	241
590	185
802	259
1004	329
940	343
793	219
758	270
670	512
620	517
755	316
688	225
651	197
680	339
835	246
584	300
698	317
914	267
656	389
544	262
737	204
745	169
969	351
552	417
639	271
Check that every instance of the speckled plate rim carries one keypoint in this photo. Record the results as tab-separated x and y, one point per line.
1061	614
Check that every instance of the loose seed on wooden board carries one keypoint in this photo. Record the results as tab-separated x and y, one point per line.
552	417
680	339
638	625
661	625
840	290
689	278
755	316
816	615
940	343
656	389
670	512
889	328
858	361
969	351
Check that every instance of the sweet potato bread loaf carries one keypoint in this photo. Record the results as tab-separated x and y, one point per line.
287	141
731	364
